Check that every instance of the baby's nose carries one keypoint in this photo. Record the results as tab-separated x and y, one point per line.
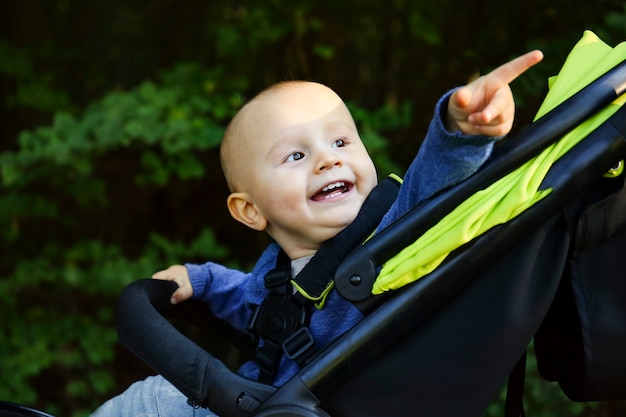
328	161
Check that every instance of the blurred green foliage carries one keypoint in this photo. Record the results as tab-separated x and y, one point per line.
110	120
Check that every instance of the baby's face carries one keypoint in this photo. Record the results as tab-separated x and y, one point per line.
308	171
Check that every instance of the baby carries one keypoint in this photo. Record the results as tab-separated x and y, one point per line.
298	170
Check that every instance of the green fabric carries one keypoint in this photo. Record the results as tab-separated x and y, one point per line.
519	190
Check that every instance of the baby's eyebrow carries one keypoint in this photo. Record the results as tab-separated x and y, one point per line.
341	124
282	147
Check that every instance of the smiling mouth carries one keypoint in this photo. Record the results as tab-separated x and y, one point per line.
332	190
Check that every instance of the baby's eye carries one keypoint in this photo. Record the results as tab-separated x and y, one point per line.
339	143
295	156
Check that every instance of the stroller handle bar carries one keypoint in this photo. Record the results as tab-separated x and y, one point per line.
204	379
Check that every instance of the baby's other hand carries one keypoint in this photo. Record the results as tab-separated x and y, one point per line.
178	274
485	106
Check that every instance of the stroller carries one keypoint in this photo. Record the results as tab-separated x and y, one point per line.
444	344
442	341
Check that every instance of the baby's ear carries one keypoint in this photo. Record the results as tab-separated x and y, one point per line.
243	209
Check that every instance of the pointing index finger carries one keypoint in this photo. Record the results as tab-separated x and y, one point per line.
517	66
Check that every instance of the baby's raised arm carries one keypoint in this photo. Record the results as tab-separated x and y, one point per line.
485	106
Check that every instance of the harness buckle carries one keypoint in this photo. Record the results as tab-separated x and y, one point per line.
276	318
300	345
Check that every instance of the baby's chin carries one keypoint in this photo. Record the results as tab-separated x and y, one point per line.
339	224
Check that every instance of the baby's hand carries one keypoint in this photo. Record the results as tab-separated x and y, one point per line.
178	274
485	106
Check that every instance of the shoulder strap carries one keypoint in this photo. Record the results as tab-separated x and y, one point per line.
316	278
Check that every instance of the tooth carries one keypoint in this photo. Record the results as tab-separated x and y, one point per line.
337	184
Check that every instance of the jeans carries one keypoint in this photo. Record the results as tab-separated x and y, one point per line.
152	397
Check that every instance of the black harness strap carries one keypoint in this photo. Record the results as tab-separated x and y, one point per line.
318	274
281	321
